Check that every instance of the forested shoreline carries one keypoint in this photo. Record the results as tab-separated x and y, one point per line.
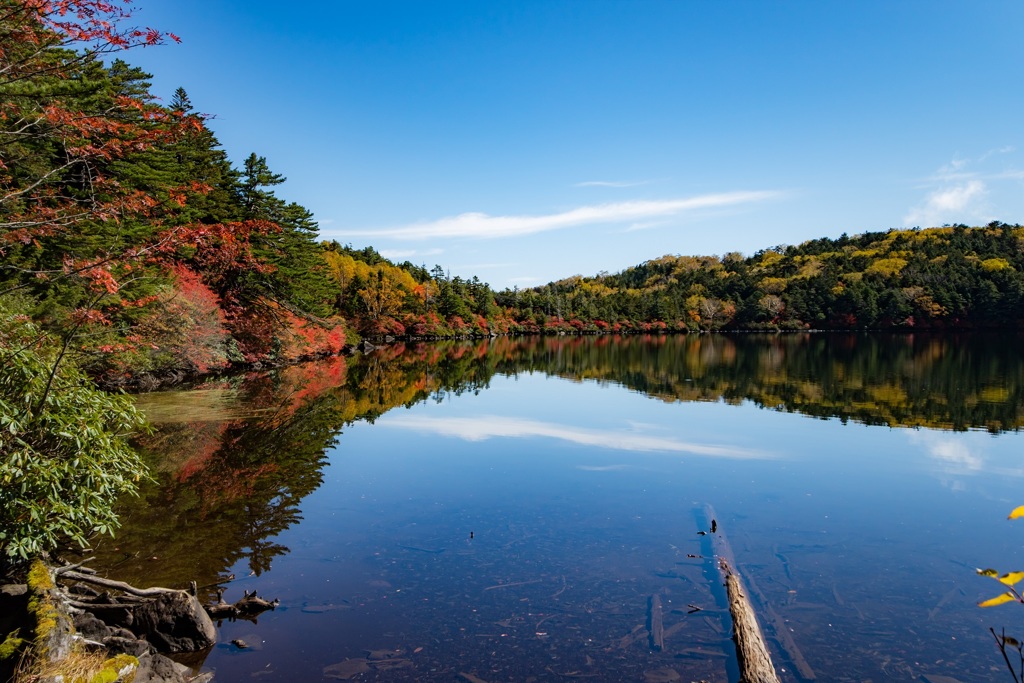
141	251
949	278
143	254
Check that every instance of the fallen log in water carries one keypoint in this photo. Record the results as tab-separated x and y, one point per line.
246	608
778	625
657	623
754	661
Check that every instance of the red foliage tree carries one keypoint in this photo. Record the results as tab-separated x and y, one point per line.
302	339
44	45
188	325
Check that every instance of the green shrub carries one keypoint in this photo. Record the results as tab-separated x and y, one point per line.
64	456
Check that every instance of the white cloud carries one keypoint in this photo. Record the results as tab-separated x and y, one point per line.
953	204
486	427
408	253
968	190
481	225
995	152
633	227
397	253
962	169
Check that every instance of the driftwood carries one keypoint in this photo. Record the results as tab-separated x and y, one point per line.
755	663
249	606
633	636
116	585
168	620
782	634
657	623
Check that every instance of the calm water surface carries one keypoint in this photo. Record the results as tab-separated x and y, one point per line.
505	510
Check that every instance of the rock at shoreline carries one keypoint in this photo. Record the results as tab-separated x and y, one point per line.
174	622
154	668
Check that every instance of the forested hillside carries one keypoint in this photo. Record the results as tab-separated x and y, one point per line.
938	278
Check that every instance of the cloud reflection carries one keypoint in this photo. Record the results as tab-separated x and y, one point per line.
966	460
949	450
492	426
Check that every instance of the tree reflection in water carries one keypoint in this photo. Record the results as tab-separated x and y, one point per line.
232	461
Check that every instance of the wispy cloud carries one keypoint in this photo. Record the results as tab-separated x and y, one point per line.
646	225
482	225
397	253
612	183
997	152
950	204
486	427
408	253
960	168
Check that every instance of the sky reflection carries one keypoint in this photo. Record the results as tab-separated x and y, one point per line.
968	454
486	427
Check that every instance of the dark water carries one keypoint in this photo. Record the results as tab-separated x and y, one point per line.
505	510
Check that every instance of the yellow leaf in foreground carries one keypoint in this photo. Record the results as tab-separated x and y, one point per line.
1011	578
998	600
1017	512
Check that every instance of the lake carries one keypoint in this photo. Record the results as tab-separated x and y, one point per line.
505	510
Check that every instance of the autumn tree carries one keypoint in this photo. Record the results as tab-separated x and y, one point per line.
59	131
772	304
66	122
381	296
710	308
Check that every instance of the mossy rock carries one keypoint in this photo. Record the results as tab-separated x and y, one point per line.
53	627
12	646
119	669
39	577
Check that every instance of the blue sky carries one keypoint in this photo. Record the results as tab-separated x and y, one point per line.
524	142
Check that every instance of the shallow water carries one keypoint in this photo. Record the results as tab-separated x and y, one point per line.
505	511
